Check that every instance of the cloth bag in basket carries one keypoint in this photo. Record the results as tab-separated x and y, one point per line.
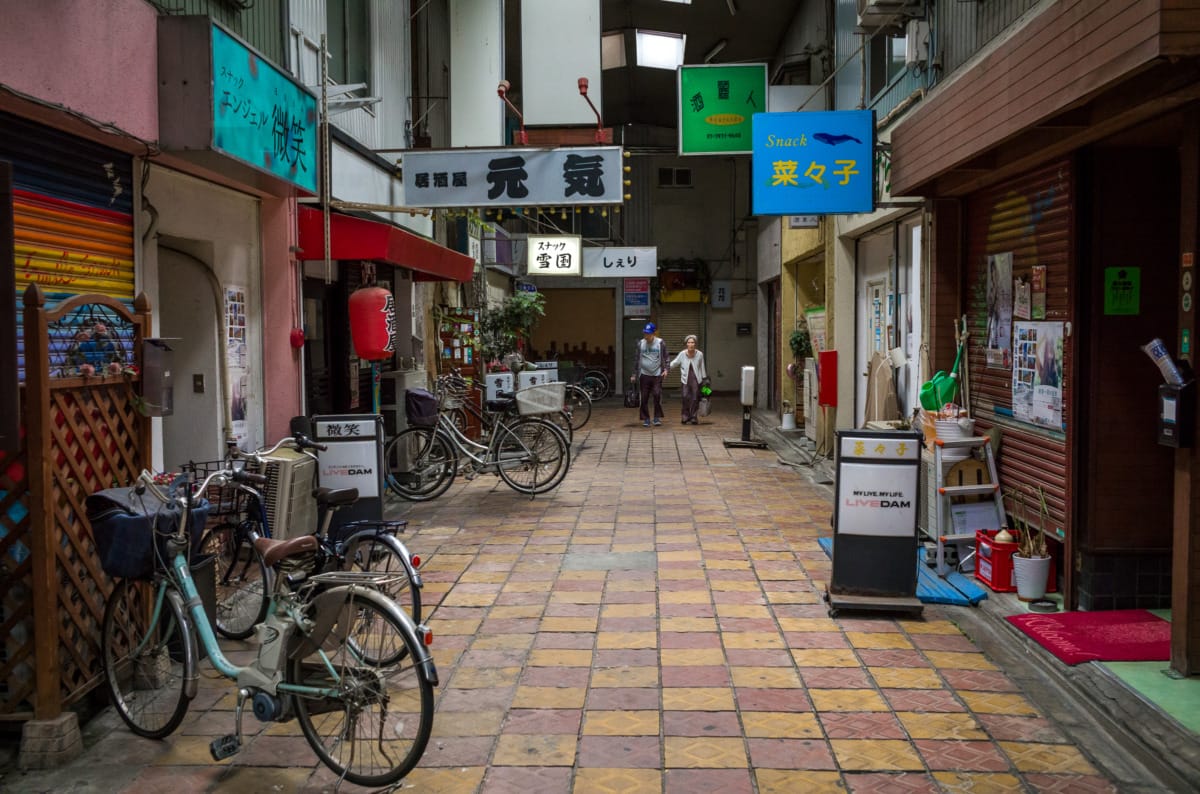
633	398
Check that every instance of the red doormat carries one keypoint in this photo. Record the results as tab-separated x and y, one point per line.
1123	635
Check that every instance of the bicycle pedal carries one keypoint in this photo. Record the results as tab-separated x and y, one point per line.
224	746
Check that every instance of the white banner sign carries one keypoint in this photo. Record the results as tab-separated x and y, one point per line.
623	262
513	177
350	457
553	255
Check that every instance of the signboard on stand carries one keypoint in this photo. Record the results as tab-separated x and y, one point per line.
875	521
352	458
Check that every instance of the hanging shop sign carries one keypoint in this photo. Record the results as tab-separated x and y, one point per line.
513	177
620	262
637	297
817	163
716	104
225	106
553	255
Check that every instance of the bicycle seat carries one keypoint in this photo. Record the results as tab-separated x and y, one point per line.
273	551
335	497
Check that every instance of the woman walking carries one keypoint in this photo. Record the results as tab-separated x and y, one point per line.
691	373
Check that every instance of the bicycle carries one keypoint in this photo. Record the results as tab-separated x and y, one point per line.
530	454
455	397
243	579
335	654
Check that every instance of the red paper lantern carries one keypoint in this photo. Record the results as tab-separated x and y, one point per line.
373	323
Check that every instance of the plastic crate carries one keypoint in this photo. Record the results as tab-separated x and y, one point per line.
993	563
545	398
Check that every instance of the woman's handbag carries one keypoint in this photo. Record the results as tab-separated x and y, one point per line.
632	397
703	407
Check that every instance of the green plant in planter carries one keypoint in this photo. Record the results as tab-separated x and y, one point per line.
1031	540
801	344
505	328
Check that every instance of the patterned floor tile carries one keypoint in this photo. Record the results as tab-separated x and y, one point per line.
967	756
861	725
977	782
998	703
686	752
630	752
1070	784
534	750
540	697
846	700
782	781
830	657
959	726
790	754
781	725
1052	758
522	779
878	640
701	723
621	723
620	677
959	661
601	780
765	678
674	657
617	640
891	783
874	755
905	677
708	781
697	699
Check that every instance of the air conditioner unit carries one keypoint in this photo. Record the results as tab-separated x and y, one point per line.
873	14
288	494
916	43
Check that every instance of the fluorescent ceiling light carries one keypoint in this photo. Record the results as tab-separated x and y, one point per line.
715	51
612	50
732	7
659	50
684	2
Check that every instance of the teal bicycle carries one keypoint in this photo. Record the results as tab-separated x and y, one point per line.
334	653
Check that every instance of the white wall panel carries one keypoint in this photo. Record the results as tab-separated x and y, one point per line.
560	42
476	64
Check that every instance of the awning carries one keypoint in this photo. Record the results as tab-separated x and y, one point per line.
357	238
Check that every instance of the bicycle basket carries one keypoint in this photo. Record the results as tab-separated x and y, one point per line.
420	408
544	398
224	500
125	525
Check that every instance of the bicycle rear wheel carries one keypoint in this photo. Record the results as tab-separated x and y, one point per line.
577	405
243	581
595	387
379	556
600	378
143	660
421	463
377	730
532	455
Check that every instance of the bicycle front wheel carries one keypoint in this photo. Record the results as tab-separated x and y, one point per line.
421	463
600	379
243	590
144	656
379	556
374	732
532	455
577	405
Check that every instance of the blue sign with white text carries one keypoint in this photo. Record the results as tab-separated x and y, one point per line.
813	163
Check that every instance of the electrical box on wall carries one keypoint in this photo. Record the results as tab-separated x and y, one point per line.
916	43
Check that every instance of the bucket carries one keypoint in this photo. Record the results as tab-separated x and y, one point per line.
789	421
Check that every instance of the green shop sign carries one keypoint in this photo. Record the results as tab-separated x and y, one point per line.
260	116
716	105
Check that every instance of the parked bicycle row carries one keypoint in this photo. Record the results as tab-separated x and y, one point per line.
335	610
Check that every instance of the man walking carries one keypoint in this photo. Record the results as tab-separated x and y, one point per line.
651	366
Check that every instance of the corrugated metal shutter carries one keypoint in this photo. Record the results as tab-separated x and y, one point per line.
73	221
676	321
1033	218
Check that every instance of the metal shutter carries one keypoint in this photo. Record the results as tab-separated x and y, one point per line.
677	320
1032	217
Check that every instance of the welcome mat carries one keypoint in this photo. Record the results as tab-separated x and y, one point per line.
1123	635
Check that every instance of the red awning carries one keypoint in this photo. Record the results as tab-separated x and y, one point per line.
356	238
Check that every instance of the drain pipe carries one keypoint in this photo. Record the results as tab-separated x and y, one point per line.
222	358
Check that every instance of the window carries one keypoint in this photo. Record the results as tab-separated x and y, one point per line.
659	50
885	61
349	41
674	177
612	50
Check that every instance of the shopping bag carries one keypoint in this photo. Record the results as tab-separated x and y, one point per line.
632	398
703	407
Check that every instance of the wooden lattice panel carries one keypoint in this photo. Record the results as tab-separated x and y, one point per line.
16	588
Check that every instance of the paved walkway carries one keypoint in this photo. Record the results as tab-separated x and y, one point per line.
654	625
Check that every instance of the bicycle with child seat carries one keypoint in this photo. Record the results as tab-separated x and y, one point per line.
243	578
335	653
530	454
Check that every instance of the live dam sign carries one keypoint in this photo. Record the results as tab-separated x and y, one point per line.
875	517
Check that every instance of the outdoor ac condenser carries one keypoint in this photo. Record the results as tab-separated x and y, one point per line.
291	508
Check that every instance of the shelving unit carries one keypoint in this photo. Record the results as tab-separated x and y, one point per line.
974	518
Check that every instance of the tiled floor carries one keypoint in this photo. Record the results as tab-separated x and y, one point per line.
654	625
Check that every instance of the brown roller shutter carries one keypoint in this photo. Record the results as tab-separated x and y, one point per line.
1032	217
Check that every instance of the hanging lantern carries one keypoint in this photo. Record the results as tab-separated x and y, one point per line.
373	323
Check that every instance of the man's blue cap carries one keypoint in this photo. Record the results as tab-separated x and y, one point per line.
650	328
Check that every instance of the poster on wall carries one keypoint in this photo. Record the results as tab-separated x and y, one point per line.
999	310
1037	373
1022	299
1038	299
815	318
236	359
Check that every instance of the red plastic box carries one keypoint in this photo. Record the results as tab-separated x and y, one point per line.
993	563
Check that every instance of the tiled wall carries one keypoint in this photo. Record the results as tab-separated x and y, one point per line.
1124	582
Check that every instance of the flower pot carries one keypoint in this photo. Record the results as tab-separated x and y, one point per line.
1031	574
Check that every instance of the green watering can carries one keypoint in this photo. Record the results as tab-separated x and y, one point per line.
942	388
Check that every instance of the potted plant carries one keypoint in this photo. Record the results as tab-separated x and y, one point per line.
1031	560
800	342
505	328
